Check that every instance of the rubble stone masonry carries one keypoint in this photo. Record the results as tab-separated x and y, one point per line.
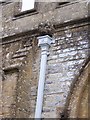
20	57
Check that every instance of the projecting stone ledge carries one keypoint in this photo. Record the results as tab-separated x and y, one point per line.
12	67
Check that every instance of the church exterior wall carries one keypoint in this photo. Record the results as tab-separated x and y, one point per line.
21	57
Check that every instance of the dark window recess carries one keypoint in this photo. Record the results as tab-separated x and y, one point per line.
63	3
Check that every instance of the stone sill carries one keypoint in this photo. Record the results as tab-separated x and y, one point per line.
5	2
25	14
68	3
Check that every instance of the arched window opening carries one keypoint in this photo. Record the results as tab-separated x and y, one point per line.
27	5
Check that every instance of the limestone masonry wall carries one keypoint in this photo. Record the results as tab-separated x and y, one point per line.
20	57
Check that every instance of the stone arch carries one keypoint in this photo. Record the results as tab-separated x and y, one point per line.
77	105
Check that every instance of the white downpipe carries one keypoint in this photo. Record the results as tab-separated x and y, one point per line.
44	43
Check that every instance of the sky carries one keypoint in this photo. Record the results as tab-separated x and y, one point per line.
27	4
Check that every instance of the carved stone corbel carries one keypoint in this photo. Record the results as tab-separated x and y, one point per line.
46	28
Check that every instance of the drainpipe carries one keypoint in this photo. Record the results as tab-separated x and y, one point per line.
44	43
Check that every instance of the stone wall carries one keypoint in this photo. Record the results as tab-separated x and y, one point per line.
21	57
66	59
